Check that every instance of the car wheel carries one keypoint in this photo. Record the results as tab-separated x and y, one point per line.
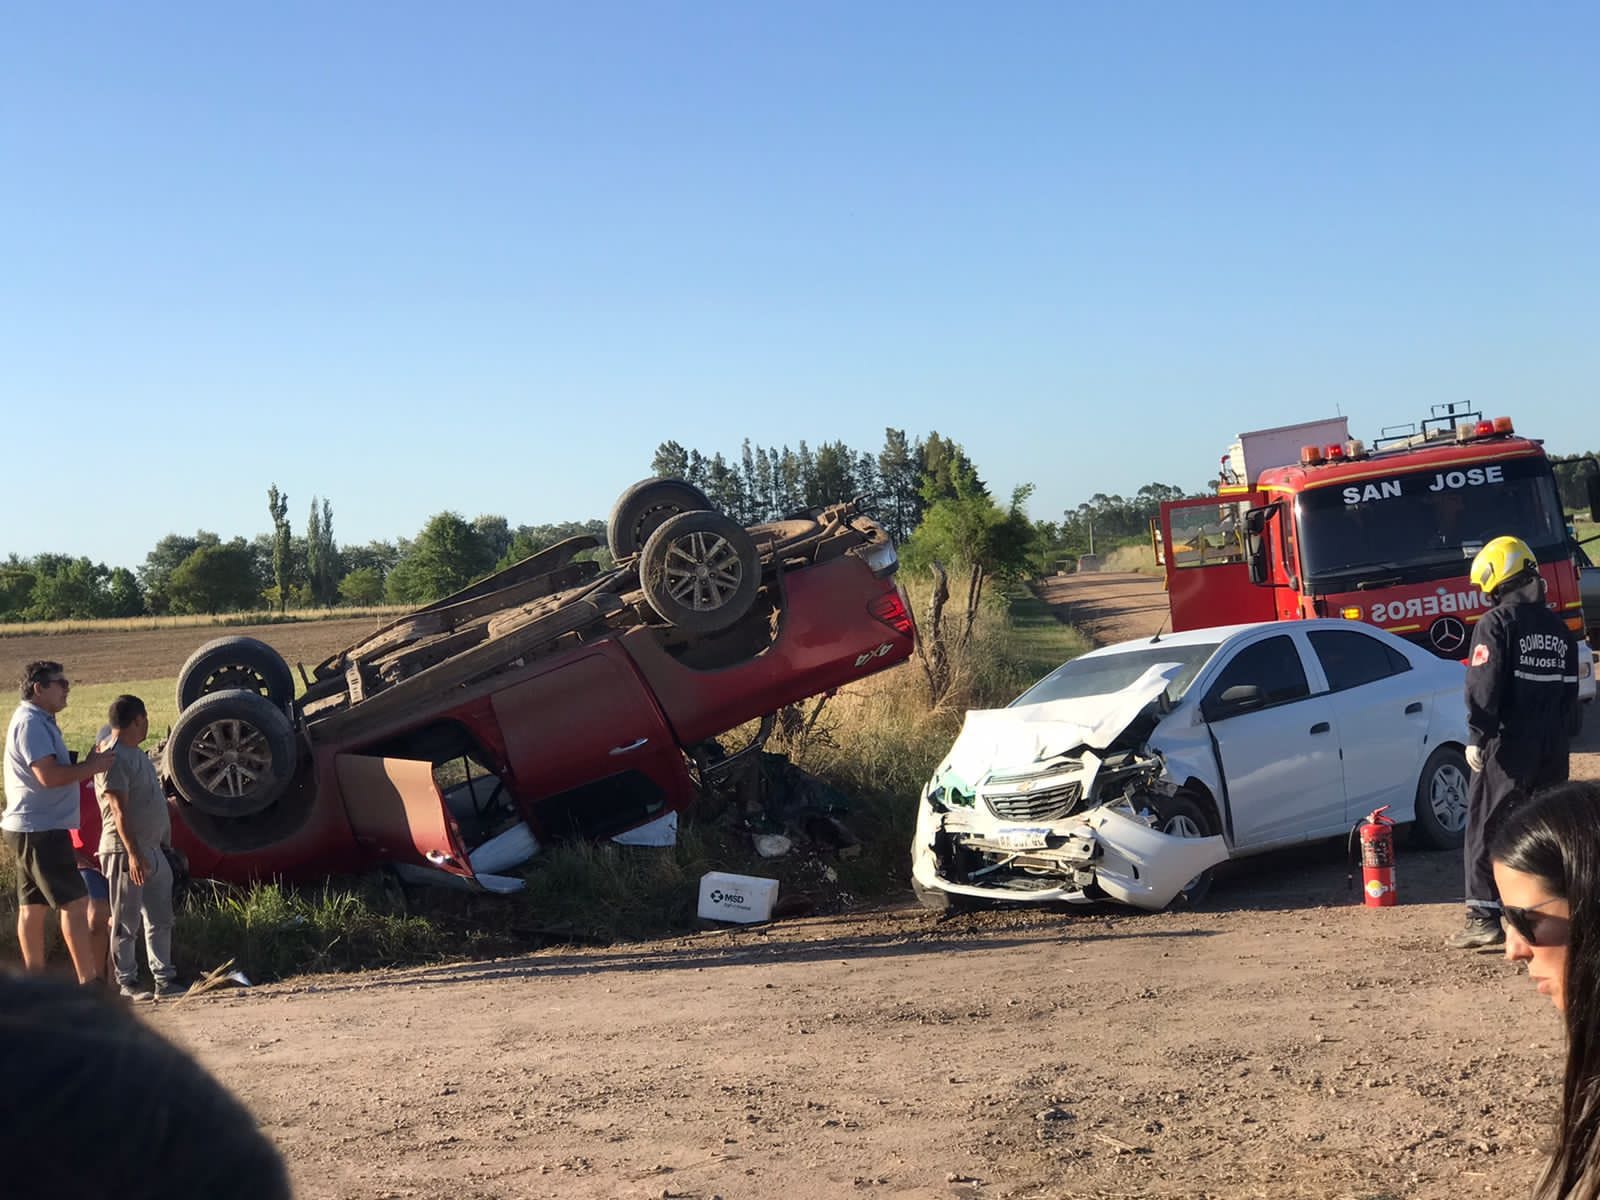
235	664
231	754
940	901
700	571
1442	799
641	509
1182	816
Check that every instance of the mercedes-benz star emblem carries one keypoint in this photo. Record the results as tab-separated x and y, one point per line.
1447	634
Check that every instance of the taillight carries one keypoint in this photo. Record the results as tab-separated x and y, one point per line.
892	611
880	557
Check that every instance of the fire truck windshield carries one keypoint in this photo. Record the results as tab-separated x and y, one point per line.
1424	524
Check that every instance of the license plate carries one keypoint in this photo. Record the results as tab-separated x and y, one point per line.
1022	839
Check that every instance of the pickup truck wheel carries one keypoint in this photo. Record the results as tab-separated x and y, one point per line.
231	754
1182	816
641	509
235	664
700	571
1442	799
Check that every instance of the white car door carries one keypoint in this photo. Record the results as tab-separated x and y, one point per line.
1278	746
1382	707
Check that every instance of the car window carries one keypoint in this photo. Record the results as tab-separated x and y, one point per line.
1273	665
1351	658
1104	674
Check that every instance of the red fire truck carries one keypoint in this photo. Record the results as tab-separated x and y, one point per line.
1309	522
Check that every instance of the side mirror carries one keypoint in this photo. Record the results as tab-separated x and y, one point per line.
1255	520
1240	698
1593	483
1257	554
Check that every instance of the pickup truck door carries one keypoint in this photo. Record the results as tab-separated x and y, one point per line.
397	813
588	746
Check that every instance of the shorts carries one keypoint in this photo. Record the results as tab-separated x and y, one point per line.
99	890
47	867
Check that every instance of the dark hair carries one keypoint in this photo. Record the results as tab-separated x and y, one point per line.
125	710
82	1072
1555	837
35	673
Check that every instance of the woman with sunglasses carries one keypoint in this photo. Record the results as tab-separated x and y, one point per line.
1546	857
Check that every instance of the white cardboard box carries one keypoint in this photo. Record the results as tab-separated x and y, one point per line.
741	898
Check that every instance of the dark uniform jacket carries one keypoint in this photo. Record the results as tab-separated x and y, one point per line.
1522	681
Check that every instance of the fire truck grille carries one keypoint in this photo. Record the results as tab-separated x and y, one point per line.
1047	804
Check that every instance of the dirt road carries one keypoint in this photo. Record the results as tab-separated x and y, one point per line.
1280	1042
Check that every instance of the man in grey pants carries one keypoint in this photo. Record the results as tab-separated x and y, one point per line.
135	829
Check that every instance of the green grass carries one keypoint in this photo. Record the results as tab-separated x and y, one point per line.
88	703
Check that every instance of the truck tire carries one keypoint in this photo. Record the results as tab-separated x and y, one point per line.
235	664
641	509
231	754
700	571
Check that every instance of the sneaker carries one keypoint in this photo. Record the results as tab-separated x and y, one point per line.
1479	934
170	989
132	991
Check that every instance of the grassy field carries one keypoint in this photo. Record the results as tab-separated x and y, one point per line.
872	746
88	703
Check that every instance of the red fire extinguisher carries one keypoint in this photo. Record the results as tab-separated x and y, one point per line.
1377	859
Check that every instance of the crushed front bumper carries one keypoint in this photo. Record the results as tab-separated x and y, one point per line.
1102	853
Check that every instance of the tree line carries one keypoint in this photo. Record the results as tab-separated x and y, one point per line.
924	489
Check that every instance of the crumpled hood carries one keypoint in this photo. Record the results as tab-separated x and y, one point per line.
1010	739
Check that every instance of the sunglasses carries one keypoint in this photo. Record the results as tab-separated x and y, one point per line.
1526	923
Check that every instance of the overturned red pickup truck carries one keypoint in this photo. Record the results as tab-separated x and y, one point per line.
578	701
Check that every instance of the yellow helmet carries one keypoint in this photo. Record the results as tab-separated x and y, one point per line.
1502	561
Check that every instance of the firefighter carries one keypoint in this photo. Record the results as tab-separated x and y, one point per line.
1522	681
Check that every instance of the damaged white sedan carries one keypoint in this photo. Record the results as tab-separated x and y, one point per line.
1133	770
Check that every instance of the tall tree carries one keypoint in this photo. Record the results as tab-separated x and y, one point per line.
832	475
447	555
322	561
216	578
897	468
165	558
722	487
754	510
670	462
278	507
761	500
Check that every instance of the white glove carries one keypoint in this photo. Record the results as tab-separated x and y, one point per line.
1475	758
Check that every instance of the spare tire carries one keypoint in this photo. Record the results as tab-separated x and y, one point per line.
235	664
700	571
231	754
641	509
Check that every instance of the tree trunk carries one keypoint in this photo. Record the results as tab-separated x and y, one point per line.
930	646
974	594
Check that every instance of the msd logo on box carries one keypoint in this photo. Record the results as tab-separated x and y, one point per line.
740	898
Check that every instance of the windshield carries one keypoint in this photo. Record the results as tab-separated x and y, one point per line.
1426	524
1104	674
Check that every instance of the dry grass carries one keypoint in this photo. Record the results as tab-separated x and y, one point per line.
196	621
1139	556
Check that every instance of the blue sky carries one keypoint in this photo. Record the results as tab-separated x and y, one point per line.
486	257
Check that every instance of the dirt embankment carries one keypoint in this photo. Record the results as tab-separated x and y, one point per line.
1281	1042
